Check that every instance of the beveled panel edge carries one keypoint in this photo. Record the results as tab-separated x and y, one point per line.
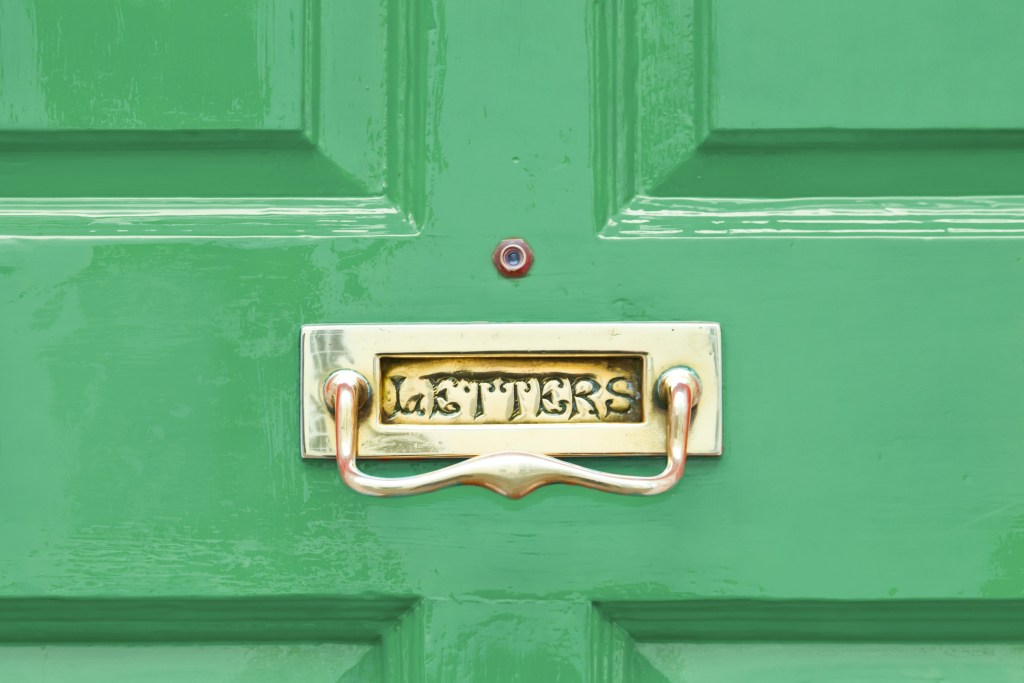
917	217
200	218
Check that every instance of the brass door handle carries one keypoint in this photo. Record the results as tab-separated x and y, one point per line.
510	473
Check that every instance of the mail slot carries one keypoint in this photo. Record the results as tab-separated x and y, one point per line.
461	390
509	390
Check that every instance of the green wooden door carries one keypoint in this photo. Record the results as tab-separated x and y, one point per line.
840	185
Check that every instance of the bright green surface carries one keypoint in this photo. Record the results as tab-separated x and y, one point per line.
802	98
137	65
832	663
872	65
301	663
867	515
238	98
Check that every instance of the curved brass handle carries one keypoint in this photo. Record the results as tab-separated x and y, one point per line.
512	474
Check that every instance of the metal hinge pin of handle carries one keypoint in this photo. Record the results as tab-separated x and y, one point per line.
510	473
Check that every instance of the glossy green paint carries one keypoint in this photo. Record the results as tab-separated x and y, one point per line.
856	234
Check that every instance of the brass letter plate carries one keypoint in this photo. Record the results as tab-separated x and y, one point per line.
557	389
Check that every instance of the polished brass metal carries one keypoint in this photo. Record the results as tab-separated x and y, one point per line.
513	474
535	388
429	388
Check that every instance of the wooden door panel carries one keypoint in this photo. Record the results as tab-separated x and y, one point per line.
227	639
832	662
875	66
188	66
795	115
155	272
249	98
808	640
315	663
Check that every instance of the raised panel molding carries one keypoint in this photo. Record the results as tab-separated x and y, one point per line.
894	640
291	637
680	152
329	139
